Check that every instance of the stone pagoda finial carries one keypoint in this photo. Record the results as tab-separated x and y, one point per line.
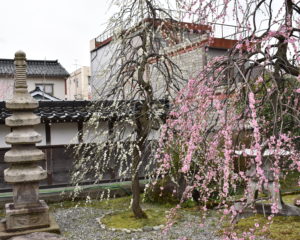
22	100
20	77
26	211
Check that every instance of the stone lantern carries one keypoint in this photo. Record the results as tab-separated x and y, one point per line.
271	187
26	211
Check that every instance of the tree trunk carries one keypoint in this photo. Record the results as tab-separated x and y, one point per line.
136	208
135	187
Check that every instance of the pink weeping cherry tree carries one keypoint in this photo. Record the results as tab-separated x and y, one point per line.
237	124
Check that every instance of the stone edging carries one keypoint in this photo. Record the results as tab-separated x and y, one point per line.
126	230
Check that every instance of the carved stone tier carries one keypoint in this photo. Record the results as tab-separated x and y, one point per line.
19	173
22	103
21	154
22	119
23	135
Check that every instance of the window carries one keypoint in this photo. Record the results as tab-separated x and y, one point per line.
47	88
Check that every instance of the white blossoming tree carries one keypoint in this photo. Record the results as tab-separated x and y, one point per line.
139	80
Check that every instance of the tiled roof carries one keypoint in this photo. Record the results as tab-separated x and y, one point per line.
74	111
56	111
35	68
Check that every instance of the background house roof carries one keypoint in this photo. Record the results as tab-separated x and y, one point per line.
38	94
35	68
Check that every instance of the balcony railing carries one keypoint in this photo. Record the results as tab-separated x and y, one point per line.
218	30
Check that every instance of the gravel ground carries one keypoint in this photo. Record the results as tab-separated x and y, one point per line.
80	224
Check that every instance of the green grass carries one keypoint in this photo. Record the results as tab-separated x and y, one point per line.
126	219
282	228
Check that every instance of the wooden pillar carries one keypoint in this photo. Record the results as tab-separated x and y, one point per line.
48	155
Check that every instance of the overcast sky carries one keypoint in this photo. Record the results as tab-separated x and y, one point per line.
52	29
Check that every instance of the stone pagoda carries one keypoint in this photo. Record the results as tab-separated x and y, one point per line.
26	211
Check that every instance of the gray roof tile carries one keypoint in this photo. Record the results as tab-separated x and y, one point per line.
35	68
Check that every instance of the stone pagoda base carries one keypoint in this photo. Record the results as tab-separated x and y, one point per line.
27	218
52	228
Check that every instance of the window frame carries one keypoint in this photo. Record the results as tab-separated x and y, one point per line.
44	85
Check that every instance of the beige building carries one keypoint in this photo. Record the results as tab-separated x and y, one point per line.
78	84
49	76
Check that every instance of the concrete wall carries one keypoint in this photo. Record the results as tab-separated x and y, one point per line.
100	72
190	62
214	52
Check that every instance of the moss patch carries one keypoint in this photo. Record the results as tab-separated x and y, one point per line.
112	203
289	199
290	182
287	228
126	219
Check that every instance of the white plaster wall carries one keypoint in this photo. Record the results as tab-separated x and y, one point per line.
154	135
95	134
7	84
124	131
63	133
6	88
3	132
41	130
100	133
